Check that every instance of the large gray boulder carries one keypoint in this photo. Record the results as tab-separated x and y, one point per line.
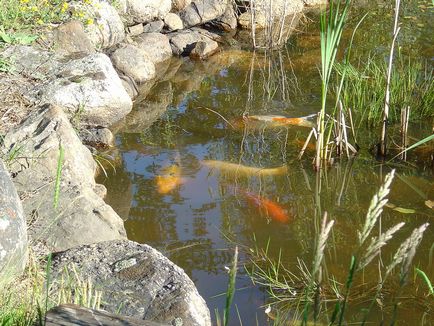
89	89
156	46
201	11
183	42
105	27
137	281
145	11
81	216
134	62
13	229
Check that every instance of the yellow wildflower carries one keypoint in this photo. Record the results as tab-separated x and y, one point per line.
89	21
64	7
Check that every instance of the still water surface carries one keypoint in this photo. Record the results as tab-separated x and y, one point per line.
185	118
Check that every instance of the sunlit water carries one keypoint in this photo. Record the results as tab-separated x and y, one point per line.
186	119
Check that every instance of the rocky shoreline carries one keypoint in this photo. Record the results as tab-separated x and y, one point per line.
65	95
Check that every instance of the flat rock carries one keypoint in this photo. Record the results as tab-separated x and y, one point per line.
315	2
145	11
149	286
32	62
97	137
202	50
134	62
13	229
184	41
70	39
107	28
154	27
88	87
81	216
228	21
156	46
135	30
201	11
71	315
173	22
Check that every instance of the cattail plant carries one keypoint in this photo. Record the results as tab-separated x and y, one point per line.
331	28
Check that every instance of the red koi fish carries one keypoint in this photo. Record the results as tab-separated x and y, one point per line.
272	209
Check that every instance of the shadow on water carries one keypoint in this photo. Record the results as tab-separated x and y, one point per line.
190	116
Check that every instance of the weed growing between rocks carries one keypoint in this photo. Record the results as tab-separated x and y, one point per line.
26	299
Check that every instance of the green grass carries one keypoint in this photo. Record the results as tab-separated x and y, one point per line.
412	84
24	300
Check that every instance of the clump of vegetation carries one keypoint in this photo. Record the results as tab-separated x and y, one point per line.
21	19
22	15
26	299
311	292
363	90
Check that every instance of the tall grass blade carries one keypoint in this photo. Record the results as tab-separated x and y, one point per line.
348	284
231	287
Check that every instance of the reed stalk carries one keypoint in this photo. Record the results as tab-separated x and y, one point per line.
383	143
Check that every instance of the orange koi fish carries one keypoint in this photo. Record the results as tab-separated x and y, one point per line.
272	209
280	120
169	180
242	169
272	121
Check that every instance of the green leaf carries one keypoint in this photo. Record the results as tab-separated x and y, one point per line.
426	279
5	37
24	39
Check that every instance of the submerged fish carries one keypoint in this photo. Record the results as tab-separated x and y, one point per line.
242	169
272	121
169	180
270	208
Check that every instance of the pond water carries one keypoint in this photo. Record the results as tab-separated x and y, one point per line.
175	199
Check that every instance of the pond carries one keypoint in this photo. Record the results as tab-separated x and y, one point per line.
176	195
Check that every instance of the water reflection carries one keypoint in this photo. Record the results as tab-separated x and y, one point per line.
183	120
